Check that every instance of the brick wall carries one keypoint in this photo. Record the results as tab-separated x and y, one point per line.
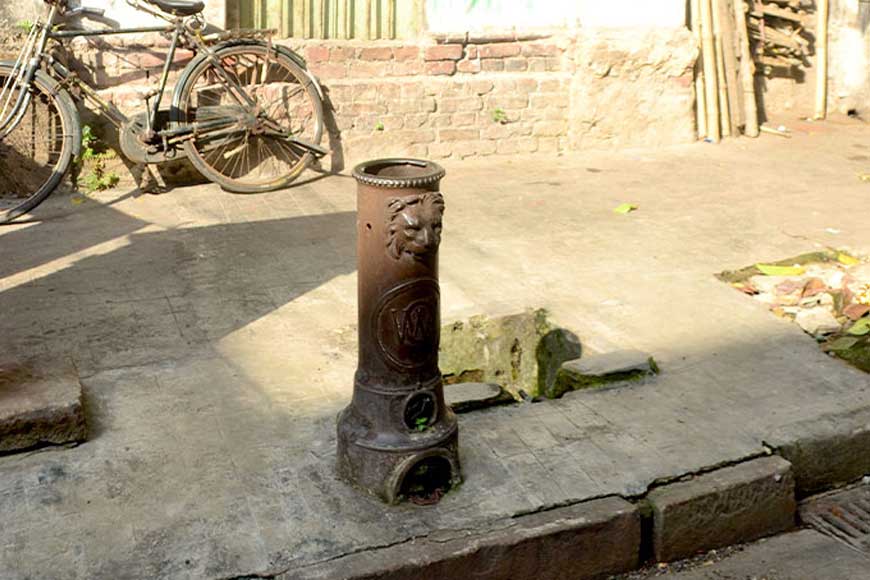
461	96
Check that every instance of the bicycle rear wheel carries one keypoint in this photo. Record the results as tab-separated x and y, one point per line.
262	156
36	154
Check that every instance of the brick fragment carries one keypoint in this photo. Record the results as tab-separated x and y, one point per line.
443	67
376	53
443	52
499	50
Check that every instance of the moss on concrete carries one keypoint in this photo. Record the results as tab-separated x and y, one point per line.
519	352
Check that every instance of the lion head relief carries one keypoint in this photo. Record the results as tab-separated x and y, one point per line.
414	224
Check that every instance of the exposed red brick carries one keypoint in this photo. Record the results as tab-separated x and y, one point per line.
480	87
407	68
329	70
492	65
316	53
443	52
516	64
376	53
441	67
402	53
367	109
537	64
341	53
452	104
465	119
526	85
458	134
468	66
368	69
150	60
499	50
554	64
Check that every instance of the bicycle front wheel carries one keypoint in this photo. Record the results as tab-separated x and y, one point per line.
280	102
36	154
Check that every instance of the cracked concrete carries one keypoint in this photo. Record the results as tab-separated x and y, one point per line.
210	332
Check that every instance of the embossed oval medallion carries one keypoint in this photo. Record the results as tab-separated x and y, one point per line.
408	323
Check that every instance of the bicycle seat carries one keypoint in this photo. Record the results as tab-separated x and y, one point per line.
179	7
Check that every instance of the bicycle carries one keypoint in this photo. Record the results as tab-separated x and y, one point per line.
246	113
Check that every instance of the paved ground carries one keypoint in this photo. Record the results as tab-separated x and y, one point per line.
214	334
801	555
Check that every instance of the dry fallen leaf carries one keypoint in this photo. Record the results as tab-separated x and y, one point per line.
856	311
813	287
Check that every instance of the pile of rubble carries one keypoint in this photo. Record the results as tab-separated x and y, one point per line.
829	299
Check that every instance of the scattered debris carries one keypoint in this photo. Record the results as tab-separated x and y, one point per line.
826	293
781	131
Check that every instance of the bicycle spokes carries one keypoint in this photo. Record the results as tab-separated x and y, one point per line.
15	96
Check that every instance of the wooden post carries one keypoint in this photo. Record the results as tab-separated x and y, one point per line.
822	59
747	71
729	54
720	69
710	76
700	96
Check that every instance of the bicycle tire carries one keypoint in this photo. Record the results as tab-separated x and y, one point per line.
23	174
228	176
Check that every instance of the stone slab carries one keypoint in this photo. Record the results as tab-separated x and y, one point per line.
610	363
465	397
595	370
39	406
825	452
588	540
727	506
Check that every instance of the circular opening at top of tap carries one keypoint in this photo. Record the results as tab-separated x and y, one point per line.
398	173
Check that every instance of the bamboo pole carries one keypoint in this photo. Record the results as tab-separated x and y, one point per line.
710	77
700	95
725	117
822	59
735	96
747	71
391	19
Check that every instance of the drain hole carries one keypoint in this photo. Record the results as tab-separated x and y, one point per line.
428	481
420	411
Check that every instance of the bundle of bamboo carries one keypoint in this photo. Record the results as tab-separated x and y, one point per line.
724	73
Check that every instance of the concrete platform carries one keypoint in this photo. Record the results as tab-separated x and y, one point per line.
39	406
214	335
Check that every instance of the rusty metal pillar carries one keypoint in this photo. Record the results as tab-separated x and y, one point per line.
397	438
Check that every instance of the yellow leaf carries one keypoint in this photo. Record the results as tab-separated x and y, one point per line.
847	259
624	208
771	270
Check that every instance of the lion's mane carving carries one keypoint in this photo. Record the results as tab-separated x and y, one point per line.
414	224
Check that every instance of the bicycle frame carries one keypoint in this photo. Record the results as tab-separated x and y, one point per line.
185	30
